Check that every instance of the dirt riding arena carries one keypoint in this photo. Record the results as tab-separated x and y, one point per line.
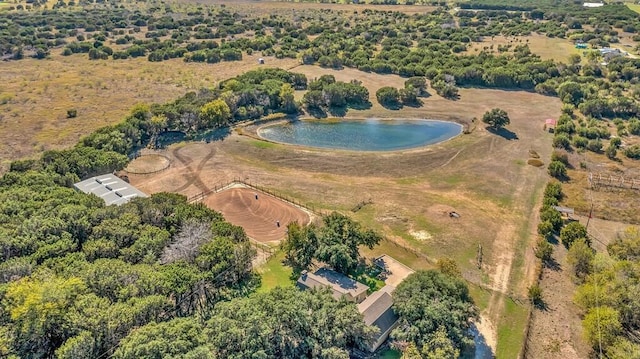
258	213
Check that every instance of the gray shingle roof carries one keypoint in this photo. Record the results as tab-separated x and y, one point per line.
339	283
110	188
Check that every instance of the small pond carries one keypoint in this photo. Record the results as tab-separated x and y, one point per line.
362	135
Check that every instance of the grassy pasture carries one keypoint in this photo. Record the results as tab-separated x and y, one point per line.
36	95
549	48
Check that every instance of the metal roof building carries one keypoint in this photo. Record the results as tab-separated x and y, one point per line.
110	188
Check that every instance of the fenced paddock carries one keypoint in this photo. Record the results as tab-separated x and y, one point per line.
145	164
602	180
264	217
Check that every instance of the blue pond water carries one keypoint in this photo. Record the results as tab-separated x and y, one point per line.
362	135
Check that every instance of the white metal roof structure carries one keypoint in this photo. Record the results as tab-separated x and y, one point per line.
110	188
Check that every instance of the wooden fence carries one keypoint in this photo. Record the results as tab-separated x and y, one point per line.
236	181
599	180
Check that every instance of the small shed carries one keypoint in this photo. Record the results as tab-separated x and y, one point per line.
550	124
564	211
261	61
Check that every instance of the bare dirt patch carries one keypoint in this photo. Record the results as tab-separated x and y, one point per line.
556	332
263	217
148	164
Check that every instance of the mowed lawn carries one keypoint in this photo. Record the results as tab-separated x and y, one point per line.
275	274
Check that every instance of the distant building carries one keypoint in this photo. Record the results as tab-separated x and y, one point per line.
550	124
593	4
377	311
340	285
609	53
110	188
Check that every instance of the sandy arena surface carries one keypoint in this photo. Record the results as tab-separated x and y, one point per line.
259	217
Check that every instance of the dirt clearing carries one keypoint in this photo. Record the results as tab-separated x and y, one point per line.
263	217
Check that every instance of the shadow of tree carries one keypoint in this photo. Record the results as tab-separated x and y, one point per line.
503	132
361	106
552	264
392	106
317	112
338	111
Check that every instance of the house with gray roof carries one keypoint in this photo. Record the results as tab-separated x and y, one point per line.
340	285
378	312
111	188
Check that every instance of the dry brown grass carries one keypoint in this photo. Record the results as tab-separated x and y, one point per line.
262	6
37	94
548	48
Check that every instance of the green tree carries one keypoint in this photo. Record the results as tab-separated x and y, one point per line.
40	311
440	346
557	169
176	338
340	239
572	232
428	300
570	92
300	246
496	118
388	97
602	326
627	245
287	101
215	113
580	257
286	323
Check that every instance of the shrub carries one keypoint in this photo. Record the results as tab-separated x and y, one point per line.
561	140
616	142
545	228
611	152
572	232
580	142
72	113
632	152
544	249
595	146
560	156
388	96
535	295
558	170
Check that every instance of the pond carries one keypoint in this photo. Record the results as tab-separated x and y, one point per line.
362	135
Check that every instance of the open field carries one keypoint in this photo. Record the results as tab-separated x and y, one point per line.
482	176
548	48
634	7
263	217
36	94
260	7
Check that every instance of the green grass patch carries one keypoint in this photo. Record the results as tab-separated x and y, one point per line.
369	279
634	7
262	144
389	354
275	274
511	329
480	296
